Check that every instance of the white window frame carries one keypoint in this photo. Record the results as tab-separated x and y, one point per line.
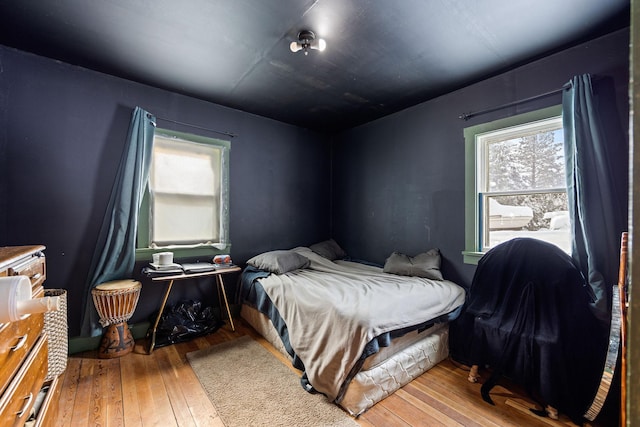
144	246
473	241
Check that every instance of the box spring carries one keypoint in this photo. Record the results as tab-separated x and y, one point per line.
383	373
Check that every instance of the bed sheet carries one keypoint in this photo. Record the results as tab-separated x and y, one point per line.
332	315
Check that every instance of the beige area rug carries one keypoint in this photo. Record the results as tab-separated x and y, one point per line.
250	387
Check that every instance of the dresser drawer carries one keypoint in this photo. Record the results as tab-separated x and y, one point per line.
19	397
47	414
16	339
34	268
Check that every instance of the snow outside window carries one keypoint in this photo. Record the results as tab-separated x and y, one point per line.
516	183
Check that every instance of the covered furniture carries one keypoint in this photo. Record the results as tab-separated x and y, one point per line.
528	319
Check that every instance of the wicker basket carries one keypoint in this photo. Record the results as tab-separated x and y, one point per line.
55	325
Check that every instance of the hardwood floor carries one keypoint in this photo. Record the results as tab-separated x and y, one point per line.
161	390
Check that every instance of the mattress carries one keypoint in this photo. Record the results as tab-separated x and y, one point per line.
382	373
357	333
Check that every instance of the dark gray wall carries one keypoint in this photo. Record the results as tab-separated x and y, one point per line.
399	181
396	183
62	129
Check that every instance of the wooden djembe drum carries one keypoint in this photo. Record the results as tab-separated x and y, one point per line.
115	303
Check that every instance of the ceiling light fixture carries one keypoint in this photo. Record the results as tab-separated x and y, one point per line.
307	40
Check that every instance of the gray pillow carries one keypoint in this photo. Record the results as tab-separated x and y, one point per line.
329	249
279	262
425	265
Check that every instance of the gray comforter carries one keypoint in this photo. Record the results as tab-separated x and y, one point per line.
331	317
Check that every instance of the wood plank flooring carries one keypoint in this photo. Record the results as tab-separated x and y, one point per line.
161	389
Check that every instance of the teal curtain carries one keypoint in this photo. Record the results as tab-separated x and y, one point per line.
114	257
596	167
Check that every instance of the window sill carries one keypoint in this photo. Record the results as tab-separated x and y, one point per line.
206	252
471	257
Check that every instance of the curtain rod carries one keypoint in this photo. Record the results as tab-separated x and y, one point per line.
232	135
467	116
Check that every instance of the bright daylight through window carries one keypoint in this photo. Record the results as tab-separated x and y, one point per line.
522	189
518	184
187	202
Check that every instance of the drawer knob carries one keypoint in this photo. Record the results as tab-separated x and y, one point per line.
26	405
21	342
36	276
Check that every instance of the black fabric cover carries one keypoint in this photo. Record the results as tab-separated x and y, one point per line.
529	319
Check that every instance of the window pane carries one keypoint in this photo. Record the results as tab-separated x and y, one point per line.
185	191
184	219
543	216
530	162
522	184
185	168
500	162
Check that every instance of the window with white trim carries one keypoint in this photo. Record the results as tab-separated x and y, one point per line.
186	206
516	183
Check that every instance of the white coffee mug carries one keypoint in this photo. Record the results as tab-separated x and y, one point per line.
163	258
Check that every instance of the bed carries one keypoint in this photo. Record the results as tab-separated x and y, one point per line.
357	331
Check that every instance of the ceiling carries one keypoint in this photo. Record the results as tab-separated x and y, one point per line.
381	57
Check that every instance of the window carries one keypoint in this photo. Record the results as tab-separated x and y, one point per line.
516	184
186	208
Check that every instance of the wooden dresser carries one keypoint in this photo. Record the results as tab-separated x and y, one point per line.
25	396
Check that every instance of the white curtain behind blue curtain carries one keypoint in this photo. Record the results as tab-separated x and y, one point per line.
596	166
114	257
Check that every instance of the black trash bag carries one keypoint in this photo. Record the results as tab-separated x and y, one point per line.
184	321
